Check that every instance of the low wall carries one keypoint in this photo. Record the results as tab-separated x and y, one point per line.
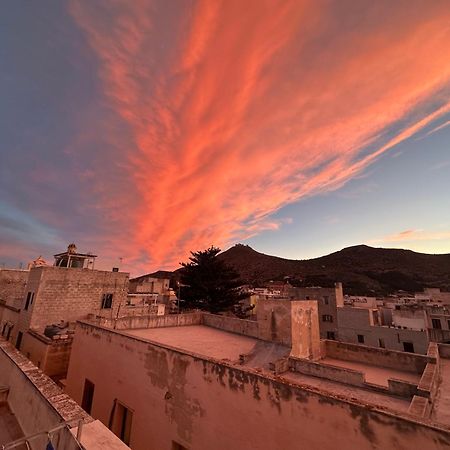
333	373
402	388
37	403
152	321
392	359
232	324
429	382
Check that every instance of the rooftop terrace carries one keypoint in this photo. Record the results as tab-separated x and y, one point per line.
387	380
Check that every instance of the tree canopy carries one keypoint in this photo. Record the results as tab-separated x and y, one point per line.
209	283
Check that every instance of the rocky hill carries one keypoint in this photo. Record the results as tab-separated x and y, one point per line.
364	270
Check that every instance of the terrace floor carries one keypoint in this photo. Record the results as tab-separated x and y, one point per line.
199	339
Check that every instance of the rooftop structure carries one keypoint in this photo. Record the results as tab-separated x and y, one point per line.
35	412
200	381
71	258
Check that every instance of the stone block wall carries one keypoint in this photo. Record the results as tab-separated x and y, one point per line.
68	294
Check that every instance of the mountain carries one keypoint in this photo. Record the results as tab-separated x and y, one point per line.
364	270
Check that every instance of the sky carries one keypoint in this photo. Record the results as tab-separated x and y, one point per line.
144	130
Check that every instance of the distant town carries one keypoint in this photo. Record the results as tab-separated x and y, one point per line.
177	360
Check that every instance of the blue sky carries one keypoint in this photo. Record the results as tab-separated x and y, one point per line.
144	130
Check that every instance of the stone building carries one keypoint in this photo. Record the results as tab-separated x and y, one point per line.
53	298
202	381
12	292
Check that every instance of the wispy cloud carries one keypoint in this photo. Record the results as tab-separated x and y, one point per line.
434	130
414	235
240	110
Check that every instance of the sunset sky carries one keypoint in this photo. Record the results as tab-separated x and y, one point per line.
145	129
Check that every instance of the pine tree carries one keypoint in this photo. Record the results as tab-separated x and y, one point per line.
208	283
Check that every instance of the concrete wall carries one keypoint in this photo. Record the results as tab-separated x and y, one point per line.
409	362
70	294
204	404
355	321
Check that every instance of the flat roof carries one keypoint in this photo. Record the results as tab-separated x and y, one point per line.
199	339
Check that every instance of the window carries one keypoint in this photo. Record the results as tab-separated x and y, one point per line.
88	396
307	297
436	324
327	318
381	343
19	340
29	300
331	335
408	347
107	301
121	422
177	446
448	324
4	328
360	338
8	334
326	299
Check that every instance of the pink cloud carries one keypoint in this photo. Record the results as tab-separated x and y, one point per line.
250	107
414	235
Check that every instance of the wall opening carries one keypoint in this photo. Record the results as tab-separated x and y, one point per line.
88	396
19	340
408	347
121	422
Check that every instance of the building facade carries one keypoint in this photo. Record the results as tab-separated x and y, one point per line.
200	381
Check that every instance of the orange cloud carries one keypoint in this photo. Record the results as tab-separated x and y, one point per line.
243	107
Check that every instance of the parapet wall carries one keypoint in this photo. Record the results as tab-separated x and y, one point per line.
36	401
152	321
238	326
392	359
231	324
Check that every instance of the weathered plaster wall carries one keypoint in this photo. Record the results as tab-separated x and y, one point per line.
274	321
203	404
305	330
51	356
